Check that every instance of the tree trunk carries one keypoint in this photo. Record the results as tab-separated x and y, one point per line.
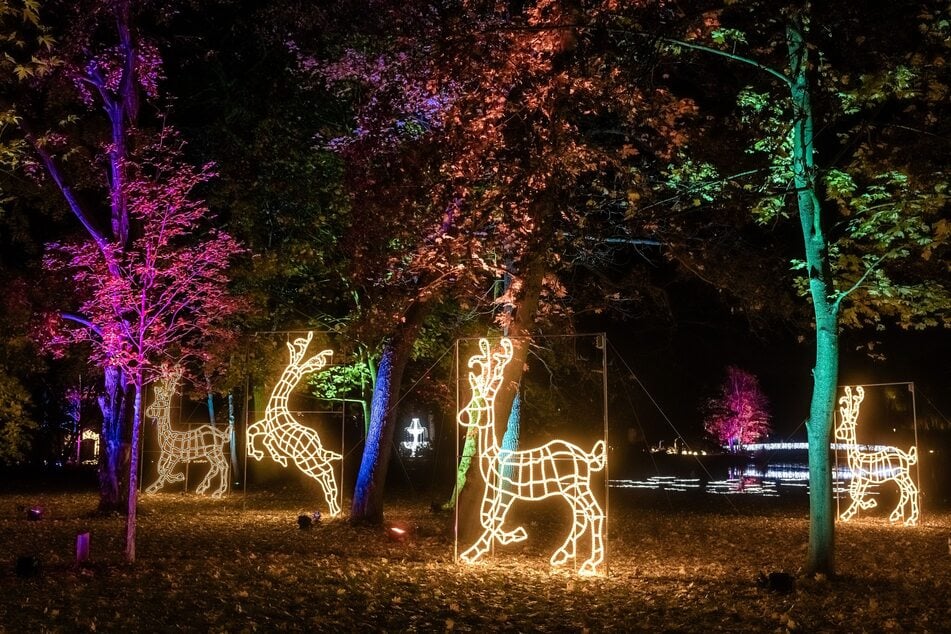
821	557
367	504
234	437
469	448
112	458
510	439
520	329
523	316
210	400
130	522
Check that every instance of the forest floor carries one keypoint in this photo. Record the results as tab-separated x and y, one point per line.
242	564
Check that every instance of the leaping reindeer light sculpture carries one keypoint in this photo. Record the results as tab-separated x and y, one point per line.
201	444
557	468
284	437
875	467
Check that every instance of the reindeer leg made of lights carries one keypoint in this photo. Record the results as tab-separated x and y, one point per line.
218	467
492	517
586	514
909	491
328	483
166	475
858	492
502	500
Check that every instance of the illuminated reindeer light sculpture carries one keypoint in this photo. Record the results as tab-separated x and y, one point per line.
557	468
201	444
284	437
875	467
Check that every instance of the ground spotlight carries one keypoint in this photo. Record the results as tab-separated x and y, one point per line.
779	582
399	532
82	548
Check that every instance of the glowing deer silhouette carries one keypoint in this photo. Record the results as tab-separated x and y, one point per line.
201	444
875	467
557	468
284	437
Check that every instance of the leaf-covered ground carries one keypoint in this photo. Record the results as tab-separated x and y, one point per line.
684	564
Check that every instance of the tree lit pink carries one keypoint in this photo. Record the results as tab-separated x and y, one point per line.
740	415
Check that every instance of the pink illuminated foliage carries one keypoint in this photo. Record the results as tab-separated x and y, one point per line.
150	273
740	415
168	290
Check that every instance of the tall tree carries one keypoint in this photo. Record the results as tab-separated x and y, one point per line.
863	255
488	141
149	288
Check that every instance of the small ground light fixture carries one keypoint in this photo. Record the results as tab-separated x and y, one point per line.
306	521
398	533
82	548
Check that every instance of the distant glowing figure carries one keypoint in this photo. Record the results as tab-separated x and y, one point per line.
91	436
284	437
201	444
415	430
557	468
875	467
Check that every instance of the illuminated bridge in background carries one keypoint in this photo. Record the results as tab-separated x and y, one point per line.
804	446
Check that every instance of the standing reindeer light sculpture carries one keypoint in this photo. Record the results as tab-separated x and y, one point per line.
873	468
201	444
558	468
284	437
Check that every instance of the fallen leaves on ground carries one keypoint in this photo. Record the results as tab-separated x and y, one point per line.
242	564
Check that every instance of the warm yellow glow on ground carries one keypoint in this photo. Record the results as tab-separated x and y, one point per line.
873	468
557	468
200	444
284	437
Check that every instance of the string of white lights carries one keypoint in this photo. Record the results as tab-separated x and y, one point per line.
284	437
874	468
201	444
557	468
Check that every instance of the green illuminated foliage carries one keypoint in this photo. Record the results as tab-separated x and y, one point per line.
728	36
699	181
340	381
15	421
845	133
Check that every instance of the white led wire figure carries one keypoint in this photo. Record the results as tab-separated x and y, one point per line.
875	467
415	430
284	437
556	468
200	444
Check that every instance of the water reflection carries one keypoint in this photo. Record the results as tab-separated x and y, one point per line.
766	481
